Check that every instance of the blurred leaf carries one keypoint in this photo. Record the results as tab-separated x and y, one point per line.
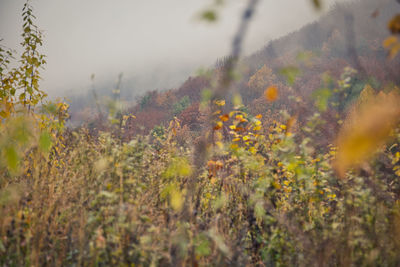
224	117
12	158
290	73
50	108
176	199
22	96
271	93
393	45
317	4
218	125
202	246
107	194
237	100
101	164
22	129
391	40
394	51
321	97
366	129
178	167
45	142
209	15
305	57
219	241
394	24
220	102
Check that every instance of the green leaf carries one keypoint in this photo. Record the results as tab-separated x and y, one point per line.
209	15
178	167
22	96
12	158
290	73
321	97
304	57
45	142
202	246
50	108
206	95
22	131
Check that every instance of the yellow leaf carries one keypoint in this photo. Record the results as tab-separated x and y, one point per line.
218	136
176	199
218	125
388	42
276	185
237	100
239	117
220	102
234	146
366	129
219	144
393	44
394	51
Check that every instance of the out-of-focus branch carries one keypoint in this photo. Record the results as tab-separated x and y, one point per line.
224	85
219	92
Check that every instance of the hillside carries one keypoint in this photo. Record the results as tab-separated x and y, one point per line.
348	36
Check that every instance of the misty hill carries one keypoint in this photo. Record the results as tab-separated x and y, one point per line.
350	35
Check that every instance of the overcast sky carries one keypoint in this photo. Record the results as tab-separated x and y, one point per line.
137	36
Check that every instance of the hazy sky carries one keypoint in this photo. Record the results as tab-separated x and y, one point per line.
138	36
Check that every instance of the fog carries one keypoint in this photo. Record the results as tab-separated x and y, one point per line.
155	42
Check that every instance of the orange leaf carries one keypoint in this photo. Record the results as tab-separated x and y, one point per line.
271	94
394	24
218	126
224	117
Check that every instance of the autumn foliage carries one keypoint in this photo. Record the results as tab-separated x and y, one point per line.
298	165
